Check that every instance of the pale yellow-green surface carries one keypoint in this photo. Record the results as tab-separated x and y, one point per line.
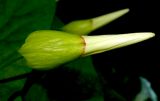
80	27
46	49
107	18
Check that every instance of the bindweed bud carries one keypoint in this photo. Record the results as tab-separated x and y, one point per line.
47	49
101	43
83	27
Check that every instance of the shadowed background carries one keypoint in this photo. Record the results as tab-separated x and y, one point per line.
126	63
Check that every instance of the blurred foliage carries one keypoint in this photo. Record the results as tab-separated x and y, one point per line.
17	19
37	90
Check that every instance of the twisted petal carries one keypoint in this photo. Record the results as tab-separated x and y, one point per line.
101	43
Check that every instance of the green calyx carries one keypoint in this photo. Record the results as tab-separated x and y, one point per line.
46	49
80	27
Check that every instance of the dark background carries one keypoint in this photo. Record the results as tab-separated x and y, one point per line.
130	62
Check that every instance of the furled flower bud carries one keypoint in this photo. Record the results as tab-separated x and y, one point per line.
47	49
83	27
101	43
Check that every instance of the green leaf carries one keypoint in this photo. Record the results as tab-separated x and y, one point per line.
37	93
9	88
18	99
57	24
96	98
88	77
18	18
84	65
27	19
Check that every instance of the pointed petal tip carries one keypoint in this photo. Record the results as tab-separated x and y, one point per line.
107	18
144	35
122	11
126	10
151	34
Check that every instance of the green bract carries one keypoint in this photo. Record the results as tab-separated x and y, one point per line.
80	27
46	49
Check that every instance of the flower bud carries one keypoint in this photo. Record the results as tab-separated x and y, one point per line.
46	49
83	27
